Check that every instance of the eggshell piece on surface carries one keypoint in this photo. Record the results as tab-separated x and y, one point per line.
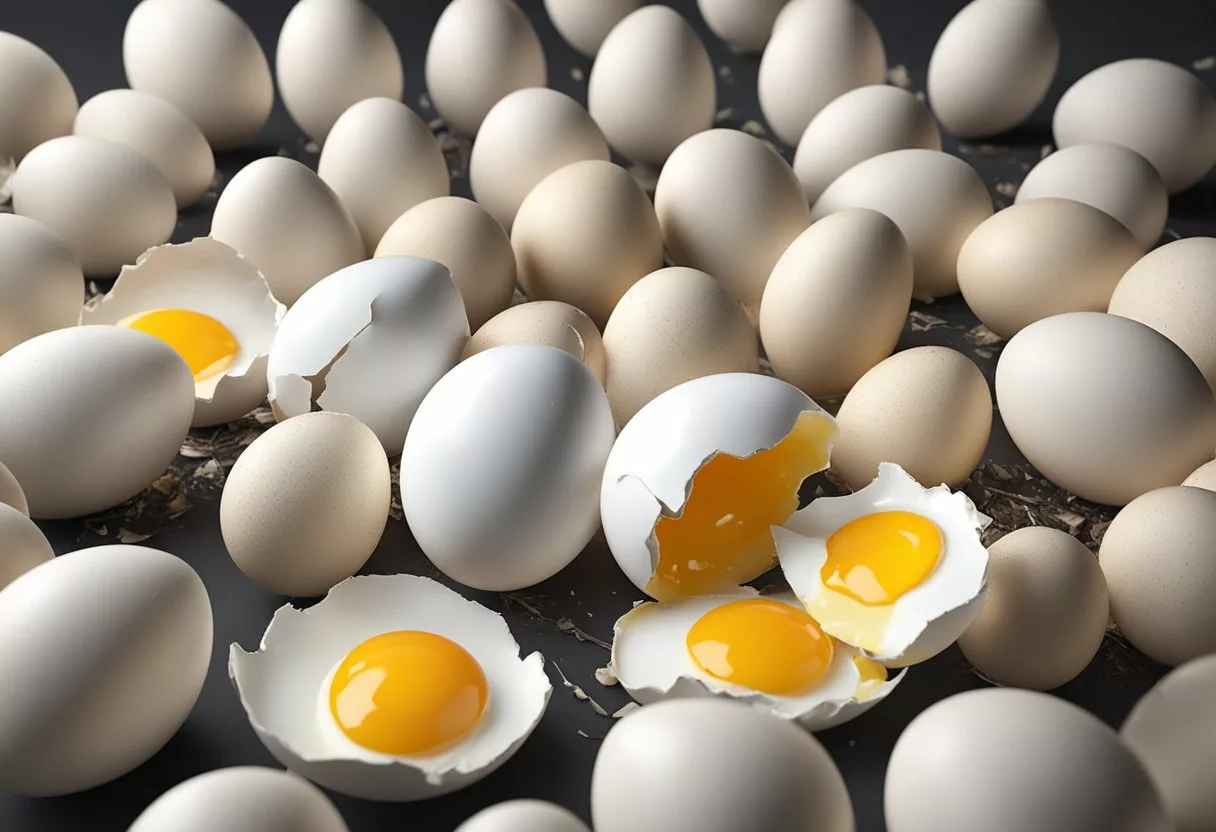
745	25
22	545
524	816
37	103
544	322
10	491
41	284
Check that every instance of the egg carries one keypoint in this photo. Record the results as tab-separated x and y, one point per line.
544	322
480	50
41	284
1203	477
200	56
330	55
818	50
1140	416
788	782
213	307
745	25
111	423
1157	109
1110	177
1173	290
856	126
478	706
463	236
936	199
584	235
37	103
116	671
127	208
1012	760
992	66
525	137
1045	612
524	816
652	85
241	799
836	301
1156	556
699	475
585	23
381	160
292	225
10	491
1041	258
672	326
22	545
158	130
501	463
729	205
1165	731
369	340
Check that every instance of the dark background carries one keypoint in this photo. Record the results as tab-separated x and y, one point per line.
565	617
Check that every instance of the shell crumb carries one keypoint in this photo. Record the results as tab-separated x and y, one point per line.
898	76
424	102
577	74
625	710
1007	189
1046	150
754	128
606	677
1204	64
723	115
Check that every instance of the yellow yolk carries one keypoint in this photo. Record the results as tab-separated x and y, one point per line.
877	558
722	538
207	346
763	645
408	693
873	676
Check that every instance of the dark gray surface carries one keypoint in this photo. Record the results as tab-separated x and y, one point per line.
555	764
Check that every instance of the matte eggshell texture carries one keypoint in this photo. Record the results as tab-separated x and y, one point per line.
544	322
201	56
1159	558
501	464
41	285
22	545
123	640
745	25
37	102
676	765
652	85
10	491
1139	415
112	421
1006	760
524	815
1170	731
1203	477
585	23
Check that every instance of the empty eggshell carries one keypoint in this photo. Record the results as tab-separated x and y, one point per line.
584	235
936	200
835	303
524	815
525	137
992	66
672	326
1159	110
1203	477
332	54
585	23
463	236
10	491
819	50
745	25
1141	416
284	218
22	545
41	285
480	50
1045	613
37	101
544	322
200	56
1111	177
381	160
729	205
652	85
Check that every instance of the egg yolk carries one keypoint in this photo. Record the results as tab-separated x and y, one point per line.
722	538
207	346
877	558
873	676
408	693
763	645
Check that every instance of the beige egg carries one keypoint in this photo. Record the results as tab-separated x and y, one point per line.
37	101
22	545
548	322
1173	290
584	235
1042	258
926	409
1045	612
652	85
524	815
525	137
672	326
461	235
836	301
10	491
745	25
41	285
1159	558
1203	477
585	23
305	505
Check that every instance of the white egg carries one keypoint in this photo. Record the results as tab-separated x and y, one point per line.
750	440
41	284
37	101
284	687
369	340
906	569
745	25
585	23
10	491
23	546
524	815
207	278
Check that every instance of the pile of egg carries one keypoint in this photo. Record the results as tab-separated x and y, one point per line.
381	317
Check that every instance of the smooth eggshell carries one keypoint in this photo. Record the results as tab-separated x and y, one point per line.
37	101
22	545
524	815
1203	477
585	23
745	25
10	491
544	322
41	284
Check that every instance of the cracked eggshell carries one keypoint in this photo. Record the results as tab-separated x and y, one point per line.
279	686
10	491
41	284
745	25
585	23
524	815
369	340
22	544
37	102
206	276
544	322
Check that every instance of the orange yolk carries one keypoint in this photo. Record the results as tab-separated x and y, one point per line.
877	558
206	345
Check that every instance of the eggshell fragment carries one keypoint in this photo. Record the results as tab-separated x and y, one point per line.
524	816
37	102
10	491
41	284
745	25
585	23
22	545
544	322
